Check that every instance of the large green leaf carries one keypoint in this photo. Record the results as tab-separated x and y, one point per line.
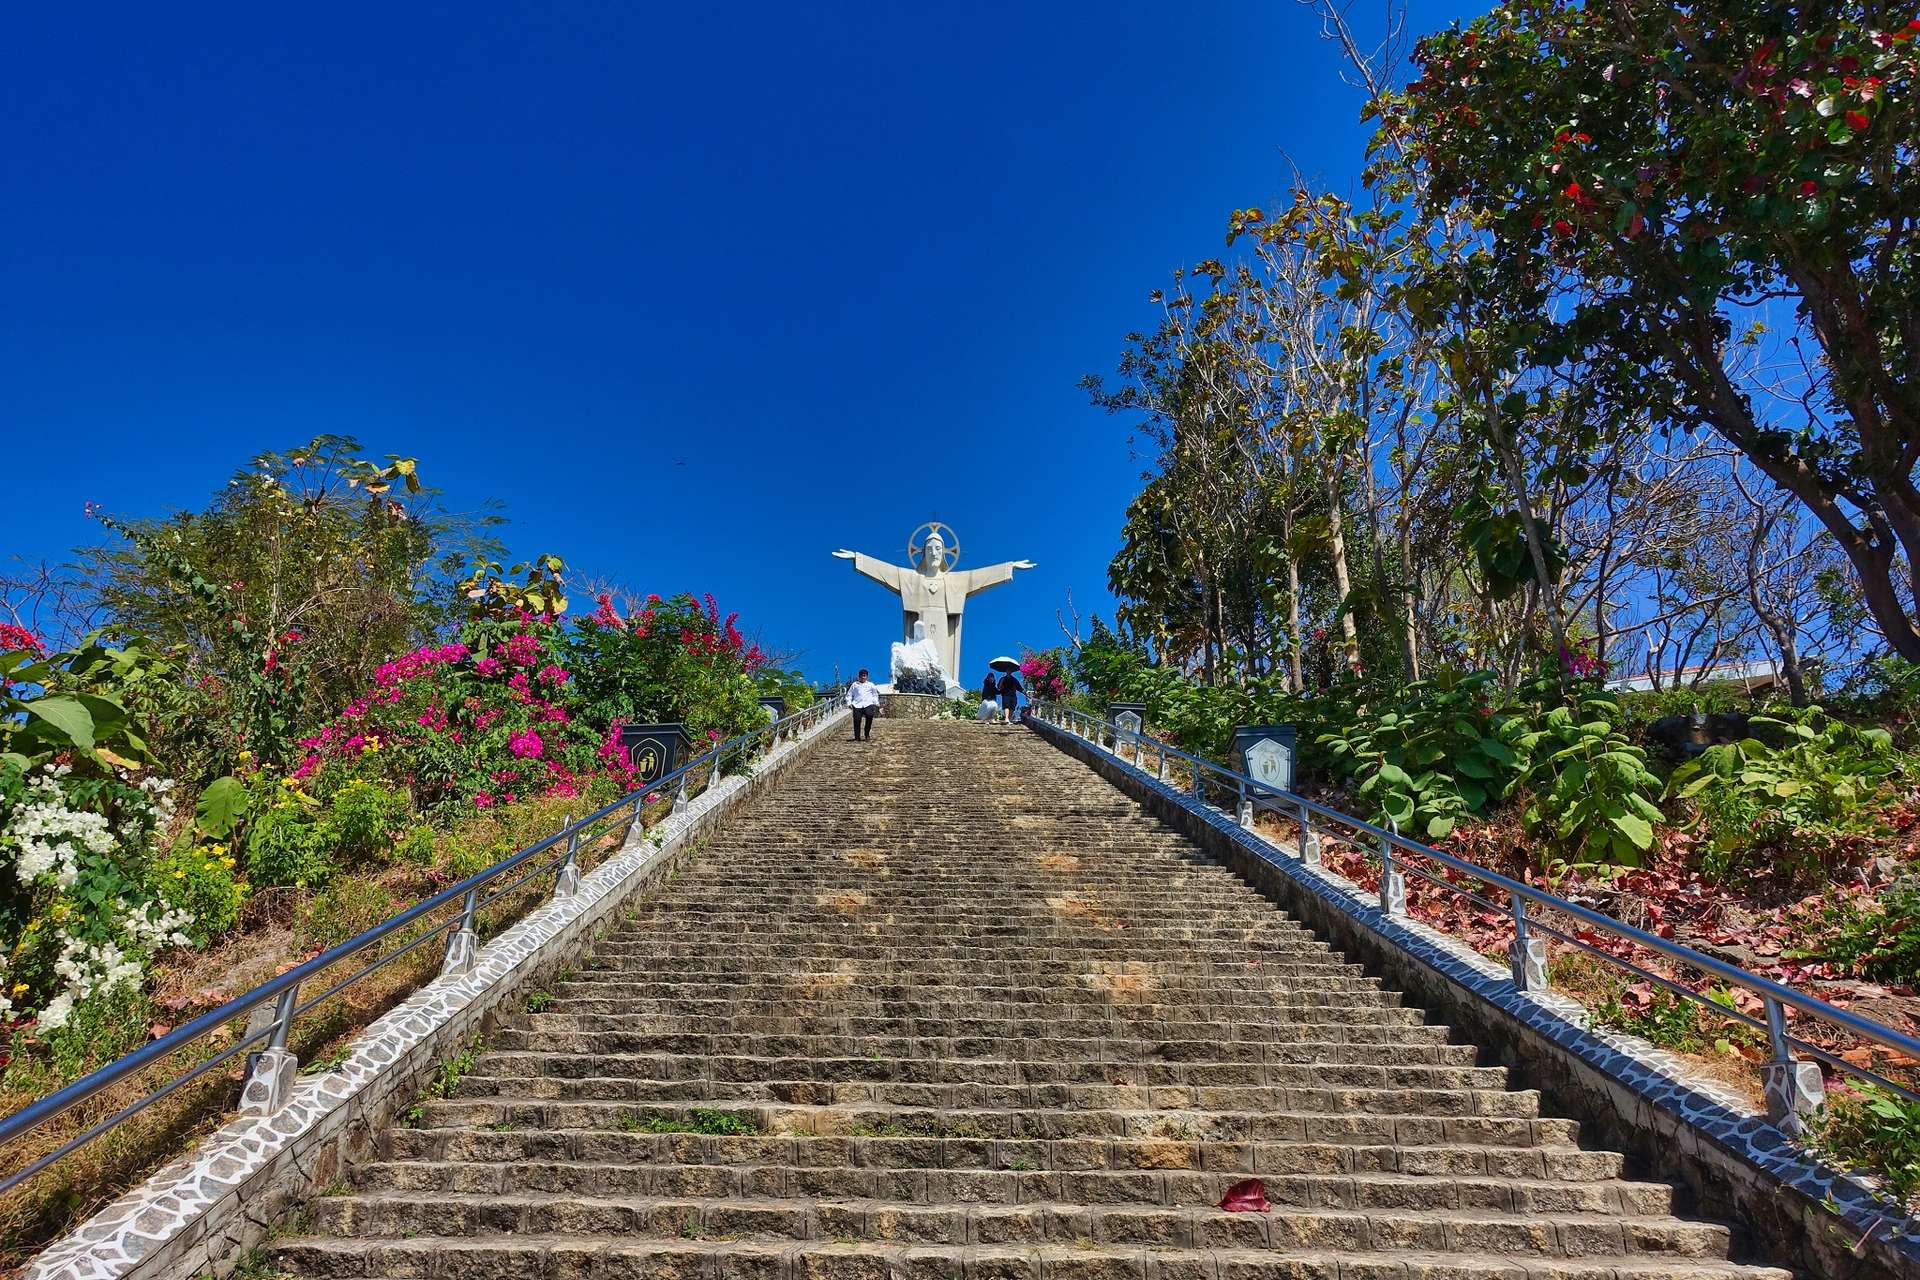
63	720
1634	827
222	805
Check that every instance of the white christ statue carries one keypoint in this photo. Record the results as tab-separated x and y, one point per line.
931	590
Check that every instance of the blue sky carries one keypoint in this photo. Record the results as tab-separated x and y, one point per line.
700	293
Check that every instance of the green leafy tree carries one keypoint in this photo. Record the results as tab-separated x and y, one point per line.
1653	179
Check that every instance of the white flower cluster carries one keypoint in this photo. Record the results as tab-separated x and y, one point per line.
156	928
87	970
47	838
160	797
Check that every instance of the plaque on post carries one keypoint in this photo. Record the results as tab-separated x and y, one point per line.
1127	718
655	750
775	707
1264	753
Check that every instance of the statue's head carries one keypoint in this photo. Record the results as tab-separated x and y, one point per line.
919	631
934	558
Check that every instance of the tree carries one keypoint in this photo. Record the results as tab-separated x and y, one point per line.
1691	171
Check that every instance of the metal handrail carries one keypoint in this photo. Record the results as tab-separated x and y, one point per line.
1789	1094
283	990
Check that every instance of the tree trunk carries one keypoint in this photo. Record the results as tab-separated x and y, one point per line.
1342	581
1293	624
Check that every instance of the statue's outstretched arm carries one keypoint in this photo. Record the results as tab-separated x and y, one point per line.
993	575
887	575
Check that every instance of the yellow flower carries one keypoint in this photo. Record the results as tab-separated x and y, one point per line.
19	987
246	755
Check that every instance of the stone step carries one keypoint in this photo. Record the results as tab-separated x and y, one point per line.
776	998
568	1257
1034	1038
1344	1043
575	1213
1017	1097
1546	1162
1011	1186
668	1066
1517	1128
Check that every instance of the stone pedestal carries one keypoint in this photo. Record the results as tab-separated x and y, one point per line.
913	706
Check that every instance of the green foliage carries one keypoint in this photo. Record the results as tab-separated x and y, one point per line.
1593	794
1873	1131
416	847
289	846
674	659
364	817
697	1120
1439	753
74	704
309	568
1801	781
1878	939
347	906
200	880
1671	1021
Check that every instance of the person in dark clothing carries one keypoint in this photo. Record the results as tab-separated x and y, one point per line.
1009	696
990	687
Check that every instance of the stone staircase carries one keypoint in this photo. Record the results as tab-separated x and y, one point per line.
945	1004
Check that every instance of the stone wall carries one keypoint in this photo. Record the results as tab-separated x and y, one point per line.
1729	1161
202	1214
913	706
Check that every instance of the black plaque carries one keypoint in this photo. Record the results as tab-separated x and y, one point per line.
1136	717
655	750
1265	753
776	706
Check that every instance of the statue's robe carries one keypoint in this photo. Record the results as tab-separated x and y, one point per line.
937	599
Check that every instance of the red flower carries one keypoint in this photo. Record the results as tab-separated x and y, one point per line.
1857	121
1809	188
1561	227
14	639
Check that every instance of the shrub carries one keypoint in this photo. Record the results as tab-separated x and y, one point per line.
1438	754
286	846
1874	1131
364	817
199	880
1874	939
415	847
475	724
349	905
673	659
1804	780
1592	791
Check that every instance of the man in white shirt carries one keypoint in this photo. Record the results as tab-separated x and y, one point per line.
864	697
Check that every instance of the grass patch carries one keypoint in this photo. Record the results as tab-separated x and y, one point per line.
699	1120
539	1001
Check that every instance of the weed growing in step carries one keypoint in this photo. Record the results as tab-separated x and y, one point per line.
690	1229
539	1001
1019	1166
338	1187
914	1127
252	1266
446	1079
326	1062
722	1124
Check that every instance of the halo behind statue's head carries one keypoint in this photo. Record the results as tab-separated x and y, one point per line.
940	534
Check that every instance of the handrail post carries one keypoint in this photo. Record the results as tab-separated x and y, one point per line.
1393	884
1526	954
463	943
680	794
1199	784
1160	749
567	883
1244	810
1794	1088
271	1072
1309	838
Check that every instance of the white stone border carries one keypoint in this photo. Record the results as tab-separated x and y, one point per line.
201	1213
